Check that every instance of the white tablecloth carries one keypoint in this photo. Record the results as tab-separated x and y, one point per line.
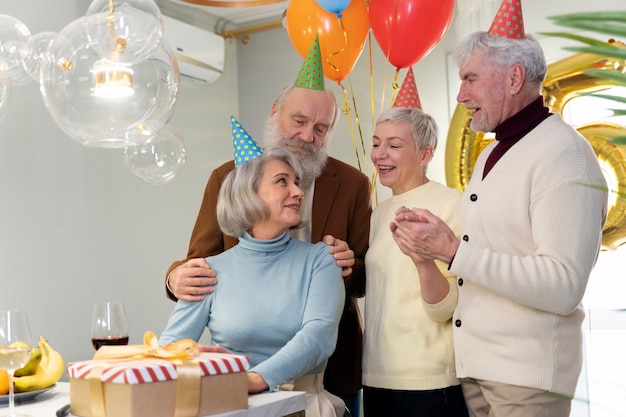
272	404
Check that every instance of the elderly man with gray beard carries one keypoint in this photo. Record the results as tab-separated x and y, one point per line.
336	209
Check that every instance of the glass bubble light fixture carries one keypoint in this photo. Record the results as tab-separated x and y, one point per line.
13	35
71	79
159	159
6	88
126	31
108	79
33	53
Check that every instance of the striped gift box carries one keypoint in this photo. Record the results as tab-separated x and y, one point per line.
141	371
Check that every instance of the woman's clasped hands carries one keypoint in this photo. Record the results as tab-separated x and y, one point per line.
422	235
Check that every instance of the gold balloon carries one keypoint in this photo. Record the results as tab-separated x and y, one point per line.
564	81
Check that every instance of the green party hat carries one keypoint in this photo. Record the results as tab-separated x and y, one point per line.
245	148
311	74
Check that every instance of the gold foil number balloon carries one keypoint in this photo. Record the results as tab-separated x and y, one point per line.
565	80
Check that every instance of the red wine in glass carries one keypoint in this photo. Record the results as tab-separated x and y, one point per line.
109	340
108	324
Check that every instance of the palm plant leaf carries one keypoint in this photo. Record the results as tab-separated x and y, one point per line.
603	16
607	97
612	23
609	23
618	140
572	36
616	76
602	50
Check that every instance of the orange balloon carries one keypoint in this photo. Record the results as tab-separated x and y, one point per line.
341	36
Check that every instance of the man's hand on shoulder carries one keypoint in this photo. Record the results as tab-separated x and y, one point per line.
192	280
344	256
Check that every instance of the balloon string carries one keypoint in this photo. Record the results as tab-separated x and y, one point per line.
374	188
388	53
369	41
395	86
345	43
345	108
384	90
373	105
358	123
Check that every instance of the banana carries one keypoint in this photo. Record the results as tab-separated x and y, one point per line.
49	370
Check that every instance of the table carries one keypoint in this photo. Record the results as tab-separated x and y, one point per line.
272	404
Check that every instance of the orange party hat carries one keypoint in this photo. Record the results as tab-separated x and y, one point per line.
244	147
408	96
508	21
311	74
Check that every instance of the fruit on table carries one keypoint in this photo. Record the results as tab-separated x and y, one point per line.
4	382
31	367
48	371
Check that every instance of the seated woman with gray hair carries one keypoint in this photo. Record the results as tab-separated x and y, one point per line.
278	299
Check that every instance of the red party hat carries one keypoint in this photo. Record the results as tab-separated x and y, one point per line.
508	21
408	96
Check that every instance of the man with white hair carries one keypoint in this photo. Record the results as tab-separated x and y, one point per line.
531	222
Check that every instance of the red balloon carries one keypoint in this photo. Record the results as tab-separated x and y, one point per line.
341	38
407	30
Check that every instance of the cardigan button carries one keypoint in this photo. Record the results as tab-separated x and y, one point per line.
473	197
460	281
457	323
466	238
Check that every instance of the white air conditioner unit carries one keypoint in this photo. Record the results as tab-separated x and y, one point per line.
200	53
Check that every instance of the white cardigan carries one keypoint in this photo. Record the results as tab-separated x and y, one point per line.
531	232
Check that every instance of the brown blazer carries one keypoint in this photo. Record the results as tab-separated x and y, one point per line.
341	208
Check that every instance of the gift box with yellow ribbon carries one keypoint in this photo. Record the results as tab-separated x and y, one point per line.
147	380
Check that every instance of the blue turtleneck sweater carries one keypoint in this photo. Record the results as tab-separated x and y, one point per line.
278	301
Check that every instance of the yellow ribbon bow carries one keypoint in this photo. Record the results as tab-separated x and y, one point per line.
182	349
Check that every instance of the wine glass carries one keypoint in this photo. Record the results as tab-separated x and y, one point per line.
108	324
15	346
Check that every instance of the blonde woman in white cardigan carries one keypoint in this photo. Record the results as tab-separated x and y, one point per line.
408	357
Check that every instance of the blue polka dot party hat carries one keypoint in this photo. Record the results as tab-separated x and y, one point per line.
244	147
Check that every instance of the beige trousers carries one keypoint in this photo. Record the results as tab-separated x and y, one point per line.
494	399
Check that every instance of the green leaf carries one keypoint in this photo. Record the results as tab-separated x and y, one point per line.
604	27
606	50
618	140
579	38
616	76
606	96
603	16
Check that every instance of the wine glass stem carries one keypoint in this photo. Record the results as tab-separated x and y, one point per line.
11	393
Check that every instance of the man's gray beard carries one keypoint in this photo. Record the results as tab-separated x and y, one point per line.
311	158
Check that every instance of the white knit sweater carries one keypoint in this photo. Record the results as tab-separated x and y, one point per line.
531	234
408	343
